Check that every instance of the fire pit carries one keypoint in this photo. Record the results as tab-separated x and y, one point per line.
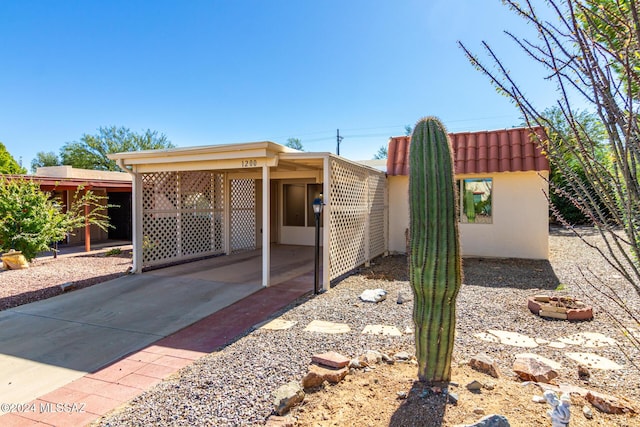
565	308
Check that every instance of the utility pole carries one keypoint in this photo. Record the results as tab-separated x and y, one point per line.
338	139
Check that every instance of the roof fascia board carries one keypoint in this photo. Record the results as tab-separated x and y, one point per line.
265	147
256	154
222	164
305	155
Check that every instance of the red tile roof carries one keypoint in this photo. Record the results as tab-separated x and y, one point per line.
507	150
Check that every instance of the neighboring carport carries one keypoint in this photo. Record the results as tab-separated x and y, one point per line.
199	202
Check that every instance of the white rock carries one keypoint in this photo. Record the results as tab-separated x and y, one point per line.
382	330
555	365
514	339
593	361
589	340
373	295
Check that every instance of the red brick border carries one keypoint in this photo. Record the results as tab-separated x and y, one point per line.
585	313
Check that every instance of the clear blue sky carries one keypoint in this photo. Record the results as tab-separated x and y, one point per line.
217	72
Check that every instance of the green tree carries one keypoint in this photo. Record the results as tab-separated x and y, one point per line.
590	53
8	164
610	23
30	220
408	130
382	153
559	130
294	143
44	159
91	151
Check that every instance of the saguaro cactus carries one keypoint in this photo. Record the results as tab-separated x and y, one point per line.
434	262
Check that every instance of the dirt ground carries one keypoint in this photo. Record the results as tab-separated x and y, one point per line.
371	399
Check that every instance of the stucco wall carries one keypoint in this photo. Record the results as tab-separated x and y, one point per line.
398	190
520	218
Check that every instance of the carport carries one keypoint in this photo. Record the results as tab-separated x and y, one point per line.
198	202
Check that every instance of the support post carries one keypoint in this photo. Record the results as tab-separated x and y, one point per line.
87	228
316	269
367	223
227	214
138	225
266	214
326	222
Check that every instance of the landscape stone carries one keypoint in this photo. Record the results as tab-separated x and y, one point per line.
485	336
552	363
474	385
331	359
490	421
373	295
355	363
402	356
278	421
453	398
327	327
489	385
382	330
538	399
609	404
388	359
478	411
583	373
514	338
589	340
370	357
556	344
594	361
319	374
483	363
277	325
400	298
586	411
287	396
530	369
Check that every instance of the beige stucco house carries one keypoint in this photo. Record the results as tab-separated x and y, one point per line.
502	182
195	202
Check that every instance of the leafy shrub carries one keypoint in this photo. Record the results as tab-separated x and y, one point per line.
31	220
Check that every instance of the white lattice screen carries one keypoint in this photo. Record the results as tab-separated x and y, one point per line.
357	222
183	215
243	214
377	215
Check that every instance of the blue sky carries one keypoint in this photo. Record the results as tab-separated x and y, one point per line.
217	72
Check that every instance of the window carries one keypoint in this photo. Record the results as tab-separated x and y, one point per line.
297	199
294	209
475	200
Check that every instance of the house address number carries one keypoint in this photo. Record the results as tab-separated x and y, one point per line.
249	163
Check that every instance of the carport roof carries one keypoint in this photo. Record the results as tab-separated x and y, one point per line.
224	156
247	149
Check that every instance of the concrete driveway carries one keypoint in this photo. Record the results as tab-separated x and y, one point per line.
47	344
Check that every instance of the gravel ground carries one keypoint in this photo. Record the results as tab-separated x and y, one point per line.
233	386
44	276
